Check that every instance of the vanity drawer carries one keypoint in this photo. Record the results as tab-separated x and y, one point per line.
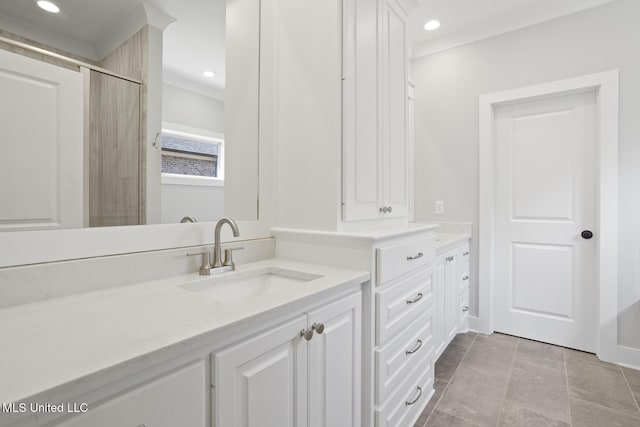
398	305
464	253
406	402
464	310
403	354
397	260
463	275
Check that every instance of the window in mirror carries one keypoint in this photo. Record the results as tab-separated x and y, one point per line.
187	154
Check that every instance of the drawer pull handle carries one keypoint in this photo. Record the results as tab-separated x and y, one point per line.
416	348
466	308
408	403
465	254
450	258
465	278
416	299
411	258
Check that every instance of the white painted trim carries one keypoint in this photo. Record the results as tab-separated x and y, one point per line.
191	180
520	18
173	78
629	357
606	84
473	323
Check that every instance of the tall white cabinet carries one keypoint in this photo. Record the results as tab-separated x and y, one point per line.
375	142
341	127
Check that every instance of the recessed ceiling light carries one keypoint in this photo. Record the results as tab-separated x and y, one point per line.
434	24
48	6
208	73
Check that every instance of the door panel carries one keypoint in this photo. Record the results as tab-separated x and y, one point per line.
41	112
545	196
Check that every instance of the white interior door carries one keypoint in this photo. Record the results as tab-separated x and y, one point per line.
41	118
545	196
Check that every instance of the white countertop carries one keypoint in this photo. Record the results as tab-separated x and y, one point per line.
50	343
445	241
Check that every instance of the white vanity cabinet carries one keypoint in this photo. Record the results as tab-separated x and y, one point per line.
404	321
175	399
451	295
375	160
281	378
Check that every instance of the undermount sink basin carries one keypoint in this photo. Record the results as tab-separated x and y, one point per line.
246	285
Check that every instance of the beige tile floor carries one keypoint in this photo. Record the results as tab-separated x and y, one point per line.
500	380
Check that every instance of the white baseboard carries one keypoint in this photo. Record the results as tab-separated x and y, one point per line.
473	323
629	357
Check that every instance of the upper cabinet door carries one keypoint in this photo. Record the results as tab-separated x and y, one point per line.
394	106
41	117
375	103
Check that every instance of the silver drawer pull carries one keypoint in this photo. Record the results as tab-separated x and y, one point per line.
465	278
411	258
465	254
466	308
307	334
416	348
416	399
416	299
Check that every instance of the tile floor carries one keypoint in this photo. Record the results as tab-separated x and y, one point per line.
500	380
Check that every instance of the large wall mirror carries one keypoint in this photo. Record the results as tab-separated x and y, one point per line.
198	165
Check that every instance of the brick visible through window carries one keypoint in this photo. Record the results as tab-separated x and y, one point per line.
189	156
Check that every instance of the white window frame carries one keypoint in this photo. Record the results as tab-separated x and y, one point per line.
202	135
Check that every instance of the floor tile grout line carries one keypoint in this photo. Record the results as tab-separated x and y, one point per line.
449	382
619	411
504	398
566	381
633	396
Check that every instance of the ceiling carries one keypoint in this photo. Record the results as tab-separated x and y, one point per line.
193	43
465	21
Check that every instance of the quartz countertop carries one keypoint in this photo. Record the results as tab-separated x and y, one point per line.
445	241
56	342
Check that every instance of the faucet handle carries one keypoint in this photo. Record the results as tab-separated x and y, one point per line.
228	256
205	268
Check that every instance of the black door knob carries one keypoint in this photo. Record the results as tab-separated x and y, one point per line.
586	234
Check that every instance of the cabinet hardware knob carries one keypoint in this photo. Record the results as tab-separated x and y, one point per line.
408	403
465	254
450	258
307	334
416	348
389	209
586	234
411	258
465	309
416	299
383	209
465	277
318	327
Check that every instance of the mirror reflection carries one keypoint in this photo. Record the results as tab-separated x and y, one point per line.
148	152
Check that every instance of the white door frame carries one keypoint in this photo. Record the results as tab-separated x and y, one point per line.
606	86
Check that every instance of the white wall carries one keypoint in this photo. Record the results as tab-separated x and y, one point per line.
192	110
447	88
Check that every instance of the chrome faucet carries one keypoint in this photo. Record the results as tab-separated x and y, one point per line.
218	265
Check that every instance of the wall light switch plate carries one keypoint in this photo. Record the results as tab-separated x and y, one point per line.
439	207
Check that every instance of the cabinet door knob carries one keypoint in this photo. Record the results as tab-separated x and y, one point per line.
307	334
389	209
449	258
465	278
465	254
416	348
416	299
465	309
318	327
411	258
408	403
383	209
